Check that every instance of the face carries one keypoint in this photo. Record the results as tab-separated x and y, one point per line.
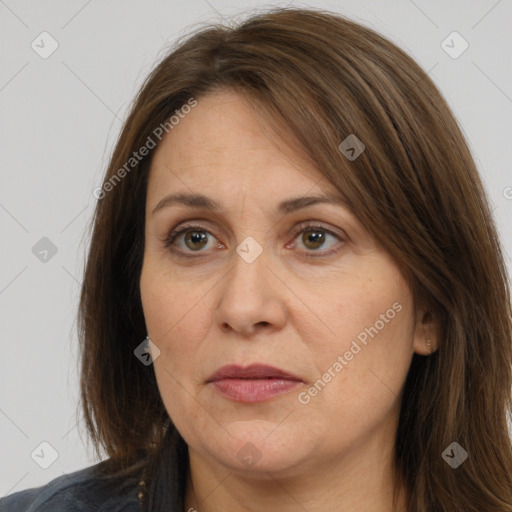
304	289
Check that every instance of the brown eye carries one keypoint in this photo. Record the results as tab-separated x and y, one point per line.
313	238
195	240
189	239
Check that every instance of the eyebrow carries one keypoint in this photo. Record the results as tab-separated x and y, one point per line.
285	207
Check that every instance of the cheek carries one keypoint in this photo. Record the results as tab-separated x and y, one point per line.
368	345
177	318
359	385
169	305
363	310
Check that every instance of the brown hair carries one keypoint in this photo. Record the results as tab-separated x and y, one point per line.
415	188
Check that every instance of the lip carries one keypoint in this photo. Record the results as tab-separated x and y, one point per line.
253	371
253	383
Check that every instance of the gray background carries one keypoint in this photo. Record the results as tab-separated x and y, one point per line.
59	119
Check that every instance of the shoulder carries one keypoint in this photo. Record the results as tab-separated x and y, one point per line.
85	490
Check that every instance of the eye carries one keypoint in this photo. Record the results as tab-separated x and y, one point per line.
195	239
313	237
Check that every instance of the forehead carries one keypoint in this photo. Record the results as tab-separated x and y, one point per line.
224	141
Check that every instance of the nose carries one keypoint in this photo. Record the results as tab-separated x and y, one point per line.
251	298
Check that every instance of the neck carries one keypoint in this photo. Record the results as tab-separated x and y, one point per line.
334	485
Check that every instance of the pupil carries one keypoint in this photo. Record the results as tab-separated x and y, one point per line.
196	237
315	237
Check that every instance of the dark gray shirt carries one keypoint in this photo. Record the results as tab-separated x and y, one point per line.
82	491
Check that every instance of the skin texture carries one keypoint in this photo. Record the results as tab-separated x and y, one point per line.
335	450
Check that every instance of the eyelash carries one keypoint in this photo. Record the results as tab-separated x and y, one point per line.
173	235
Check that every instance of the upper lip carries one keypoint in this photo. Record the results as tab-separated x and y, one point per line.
253	371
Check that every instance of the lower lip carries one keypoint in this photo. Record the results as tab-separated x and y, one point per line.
253	390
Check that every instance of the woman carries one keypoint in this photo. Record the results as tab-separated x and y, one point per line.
295	297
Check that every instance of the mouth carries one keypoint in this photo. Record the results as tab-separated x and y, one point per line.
254	383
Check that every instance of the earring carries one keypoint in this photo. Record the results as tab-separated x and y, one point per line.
429	345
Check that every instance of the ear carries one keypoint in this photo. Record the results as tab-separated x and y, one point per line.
425	334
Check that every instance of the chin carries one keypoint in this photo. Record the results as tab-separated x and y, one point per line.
260	452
